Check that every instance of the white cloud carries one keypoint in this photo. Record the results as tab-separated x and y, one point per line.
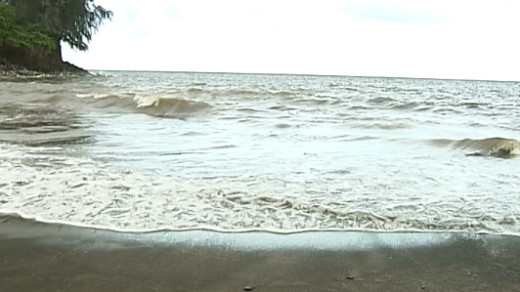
405	11
446	39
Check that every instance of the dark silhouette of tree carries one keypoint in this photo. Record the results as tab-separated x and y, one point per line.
71	21
31	31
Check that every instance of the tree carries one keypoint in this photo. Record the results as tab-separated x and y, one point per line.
71	21
16	35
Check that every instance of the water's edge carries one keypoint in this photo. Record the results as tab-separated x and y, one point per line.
62	234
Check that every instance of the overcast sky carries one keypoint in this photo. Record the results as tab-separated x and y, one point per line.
478	39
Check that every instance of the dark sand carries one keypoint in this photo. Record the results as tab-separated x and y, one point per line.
47	257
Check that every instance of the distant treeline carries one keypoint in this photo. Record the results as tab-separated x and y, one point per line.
31	31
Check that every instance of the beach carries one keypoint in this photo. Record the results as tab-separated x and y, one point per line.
54	257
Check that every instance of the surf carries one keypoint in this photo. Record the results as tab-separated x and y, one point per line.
490	147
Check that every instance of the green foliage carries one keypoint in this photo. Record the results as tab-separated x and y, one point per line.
13	34
72	21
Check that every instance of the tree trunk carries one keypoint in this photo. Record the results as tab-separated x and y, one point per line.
58	55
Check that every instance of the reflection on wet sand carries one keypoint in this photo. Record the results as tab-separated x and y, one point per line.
49	257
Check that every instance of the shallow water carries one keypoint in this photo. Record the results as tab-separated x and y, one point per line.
283	153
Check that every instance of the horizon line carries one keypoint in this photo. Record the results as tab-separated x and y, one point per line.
306	74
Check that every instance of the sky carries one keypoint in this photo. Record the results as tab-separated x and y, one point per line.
458	39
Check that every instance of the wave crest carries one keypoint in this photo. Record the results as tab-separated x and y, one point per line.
495	147
169	107
150	105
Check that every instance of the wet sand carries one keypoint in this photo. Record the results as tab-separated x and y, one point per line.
51	257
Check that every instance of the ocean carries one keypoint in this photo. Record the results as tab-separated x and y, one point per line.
146	151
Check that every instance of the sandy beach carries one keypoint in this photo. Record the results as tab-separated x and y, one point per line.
51	257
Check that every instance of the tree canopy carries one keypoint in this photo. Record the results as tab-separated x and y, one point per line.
71	21
16	35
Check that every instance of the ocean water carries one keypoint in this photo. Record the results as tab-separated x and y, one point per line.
143	151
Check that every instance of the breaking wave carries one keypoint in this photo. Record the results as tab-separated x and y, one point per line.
150	105
38	97
495	147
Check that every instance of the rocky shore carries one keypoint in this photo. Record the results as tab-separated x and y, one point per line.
8	69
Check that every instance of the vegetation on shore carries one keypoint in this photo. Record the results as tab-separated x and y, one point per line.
19	35
32	31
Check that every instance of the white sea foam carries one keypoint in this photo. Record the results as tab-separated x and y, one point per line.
85	192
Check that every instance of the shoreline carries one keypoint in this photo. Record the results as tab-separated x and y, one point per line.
53	257
66	69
